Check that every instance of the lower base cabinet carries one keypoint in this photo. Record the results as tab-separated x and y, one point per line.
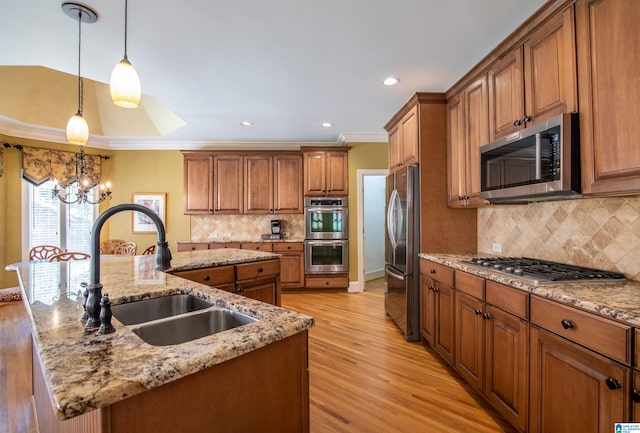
574	389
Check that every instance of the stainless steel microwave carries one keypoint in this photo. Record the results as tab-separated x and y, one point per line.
541	162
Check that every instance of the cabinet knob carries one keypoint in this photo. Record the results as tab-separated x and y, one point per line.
432	271
239	290
566	324
260	270
516	122
435	289
612	383
526	119
206	277
635	396
460	198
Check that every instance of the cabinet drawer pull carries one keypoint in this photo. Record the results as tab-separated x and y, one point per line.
477	311
566	324
516	122
486	316
635	396
239	290
612	383
526	119
206	277
260	270
432	271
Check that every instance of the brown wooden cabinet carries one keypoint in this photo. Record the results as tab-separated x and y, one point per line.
573	388
198	184
326	172
437	308
291	264
609	77
403	141
273	184
228	184
536	80
492	344
467	123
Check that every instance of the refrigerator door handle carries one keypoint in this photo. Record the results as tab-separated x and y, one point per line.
394	275
392	220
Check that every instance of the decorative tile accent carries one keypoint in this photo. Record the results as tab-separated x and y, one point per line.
213	228
601	233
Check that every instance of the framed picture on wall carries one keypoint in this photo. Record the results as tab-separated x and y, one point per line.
156	201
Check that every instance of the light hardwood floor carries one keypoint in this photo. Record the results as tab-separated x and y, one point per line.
363	376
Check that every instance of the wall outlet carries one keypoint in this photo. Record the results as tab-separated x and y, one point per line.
285	234
213	235
496	247
227	234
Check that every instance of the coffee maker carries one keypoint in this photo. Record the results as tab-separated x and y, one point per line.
276	228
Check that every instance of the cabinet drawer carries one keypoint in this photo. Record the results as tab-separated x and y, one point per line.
257	246
507	298
605	336
470	284
326	282
438	272
217	245
209	276
193	246
246	271
288	247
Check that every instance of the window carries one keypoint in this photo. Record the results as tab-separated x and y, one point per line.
52	222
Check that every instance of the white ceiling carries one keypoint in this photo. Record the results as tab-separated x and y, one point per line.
285	65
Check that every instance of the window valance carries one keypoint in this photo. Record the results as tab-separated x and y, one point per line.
41	165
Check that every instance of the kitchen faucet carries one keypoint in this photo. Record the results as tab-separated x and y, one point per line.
94	289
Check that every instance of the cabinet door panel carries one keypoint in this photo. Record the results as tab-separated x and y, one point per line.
198	185
337	176
609	76
258	184
292	270
409	137
469	339
427	310
227	183
394	147
456	154
507	365
477	133
506	99
264	291
314	173
550	68
569	390
444	343
287	187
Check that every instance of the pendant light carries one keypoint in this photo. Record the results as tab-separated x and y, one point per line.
124	83
77	128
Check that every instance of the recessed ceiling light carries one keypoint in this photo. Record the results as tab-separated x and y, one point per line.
327	124
246	123
391	81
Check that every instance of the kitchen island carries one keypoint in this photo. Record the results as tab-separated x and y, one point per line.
253	377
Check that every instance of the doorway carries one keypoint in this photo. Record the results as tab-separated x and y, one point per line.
371	229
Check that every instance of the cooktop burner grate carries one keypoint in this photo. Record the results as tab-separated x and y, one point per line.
543	270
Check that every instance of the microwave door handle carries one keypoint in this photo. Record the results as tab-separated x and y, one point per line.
538	156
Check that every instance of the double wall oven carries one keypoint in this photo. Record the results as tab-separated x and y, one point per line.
326	222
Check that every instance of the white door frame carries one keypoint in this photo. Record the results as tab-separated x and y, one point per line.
361	173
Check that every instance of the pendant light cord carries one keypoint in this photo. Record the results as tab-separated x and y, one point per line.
79	75
125	28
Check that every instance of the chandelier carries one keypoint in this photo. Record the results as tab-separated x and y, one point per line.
81	191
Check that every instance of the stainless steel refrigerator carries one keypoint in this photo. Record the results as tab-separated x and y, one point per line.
402	293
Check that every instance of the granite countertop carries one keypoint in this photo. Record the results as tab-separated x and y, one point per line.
618	300
239	241
85	371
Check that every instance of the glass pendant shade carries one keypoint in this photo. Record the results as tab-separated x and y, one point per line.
77	130
125	85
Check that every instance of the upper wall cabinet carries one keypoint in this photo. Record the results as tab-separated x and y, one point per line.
535	80
609	77
467	124
403	141
273	184
326	172
249	183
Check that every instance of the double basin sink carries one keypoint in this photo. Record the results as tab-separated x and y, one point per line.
176	319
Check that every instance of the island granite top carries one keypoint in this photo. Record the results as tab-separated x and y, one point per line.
618	300
85	371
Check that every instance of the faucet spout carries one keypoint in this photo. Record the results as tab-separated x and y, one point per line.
163	257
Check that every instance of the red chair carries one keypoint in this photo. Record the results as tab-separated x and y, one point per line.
42	252
69	255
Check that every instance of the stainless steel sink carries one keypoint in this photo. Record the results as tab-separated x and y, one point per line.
157	308
187	327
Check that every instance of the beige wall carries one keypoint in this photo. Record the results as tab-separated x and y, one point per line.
361	156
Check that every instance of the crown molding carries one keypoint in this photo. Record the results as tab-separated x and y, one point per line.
362	137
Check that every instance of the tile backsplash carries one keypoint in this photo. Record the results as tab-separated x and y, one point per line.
221	228
602	233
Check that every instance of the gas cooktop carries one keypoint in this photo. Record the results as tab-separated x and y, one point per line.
542	270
